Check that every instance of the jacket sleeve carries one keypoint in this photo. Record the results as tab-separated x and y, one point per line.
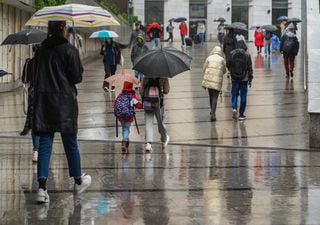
204	67
25	78
75	68
166	86
224	67
250	71
282	42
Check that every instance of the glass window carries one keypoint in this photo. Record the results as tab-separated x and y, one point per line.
198	10
154	11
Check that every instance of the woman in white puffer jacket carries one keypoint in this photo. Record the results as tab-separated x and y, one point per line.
214	68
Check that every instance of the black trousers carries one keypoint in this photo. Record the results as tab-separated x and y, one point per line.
109	71
213	97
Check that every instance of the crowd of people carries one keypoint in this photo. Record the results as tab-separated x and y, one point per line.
53	103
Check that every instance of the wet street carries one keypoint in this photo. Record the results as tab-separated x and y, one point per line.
227	172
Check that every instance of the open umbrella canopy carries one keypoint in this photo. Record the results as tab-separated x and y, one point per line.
179	19
219	19
163	62
77	15
104	34
255	27
3	73
26	37
270	28
239	25
282	18
294	20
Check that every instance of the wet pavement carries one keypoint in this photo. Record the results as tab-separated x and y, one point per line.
227	172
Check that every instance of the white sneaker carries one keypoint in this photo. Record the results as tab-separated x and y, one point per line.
165	144
148	147
35	156
86	182
42	196
234	114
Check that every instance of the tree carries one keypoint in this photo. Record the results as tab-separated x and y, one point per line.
42	3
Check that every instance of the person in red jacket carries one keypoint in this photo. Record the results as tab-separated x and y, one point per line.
126	121
258	40
183	32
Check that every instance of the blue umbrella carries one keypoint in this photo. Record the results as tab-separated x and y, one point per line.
282	18
104	34
3	73
179	19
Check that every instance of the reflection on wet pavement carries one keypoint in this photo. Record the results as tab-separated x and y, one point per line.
179	185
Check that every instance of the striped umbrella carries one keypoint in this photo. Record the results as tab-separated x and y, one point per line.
104	34
77	15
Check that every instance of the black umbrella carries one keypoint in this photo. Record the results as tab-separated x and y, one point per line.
220	19
282	18
163	62
270	28
26	37
179	19
3	73
294	20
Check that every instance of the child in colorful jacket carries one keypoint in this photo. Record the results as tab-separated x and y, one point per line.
124	106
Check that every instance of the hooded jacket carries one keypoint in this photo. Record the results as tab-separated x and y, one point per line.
214	68
58	68
295	49
138	49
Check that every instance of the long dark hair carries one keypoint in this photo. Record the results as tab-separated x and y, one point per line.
56	28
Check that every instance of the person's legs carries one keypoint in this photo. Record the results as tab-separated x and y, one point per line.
183	40
291	62
215	95
161	127
269	48
234	94
35	142
107	70
157	42
125	131
70	144
148	126
210	91
243	97
171	36
286	64
44	155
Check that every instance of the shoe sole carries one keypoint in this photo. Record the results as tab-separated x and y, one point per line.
42	199
234	115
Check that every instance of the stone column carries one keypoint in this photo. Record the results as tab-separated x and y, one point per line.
260	13
215	9
313	51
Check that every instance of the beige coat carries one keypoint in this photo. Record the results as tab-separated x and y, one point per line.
214	68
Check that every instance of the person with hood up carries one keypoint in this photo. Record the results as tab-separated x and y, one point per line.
138	49
229	44
275	43
214	68
289	47
124	105
258	40
58	69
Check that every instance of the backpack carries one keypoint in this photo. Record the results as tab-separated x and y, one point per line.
123	107
238	64
289	45
151	95
268	36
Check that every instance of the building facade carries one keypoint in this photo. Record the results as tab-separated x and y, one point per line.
251	12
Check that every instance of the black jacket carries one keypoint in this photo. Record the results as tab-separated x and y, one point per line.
57	69
229	44
295	48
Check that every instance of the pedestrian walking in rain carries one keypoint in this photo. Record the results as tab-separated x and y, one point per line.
267	43
170	29
214	68
152	92
124	110
289	47
155	34
275	43
241	75
201	30
28	79
135	33
258	40
229	44
138	49
58	69
221	32
183	33
111	58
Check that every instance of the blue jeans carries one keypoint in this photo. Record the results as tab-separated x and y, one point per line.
125	130
201	37
242	88
70	144
267	48
156	42
35	142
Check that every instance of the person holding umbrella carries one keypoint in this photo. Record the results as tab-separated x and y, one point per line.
229	44
58	69
258	40
221	32
267	42
111	53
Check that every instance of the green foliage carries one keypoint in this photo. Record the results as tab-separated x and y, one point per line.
42	3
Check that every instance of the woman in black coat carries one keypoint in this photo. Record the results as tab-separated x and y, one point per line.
58	69
229	44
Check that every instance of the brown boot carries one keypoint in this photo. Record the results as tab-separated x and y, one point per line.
127	145
124	147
